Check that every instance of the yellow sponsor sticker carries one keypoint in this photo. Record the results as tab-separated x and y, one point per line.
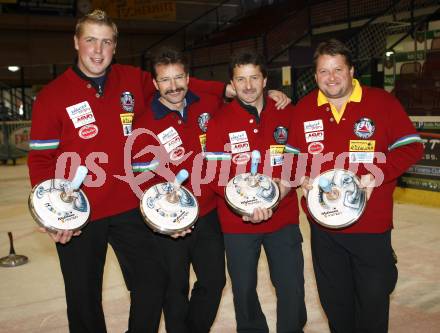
276	149
202	139
362	145
276	155
126	118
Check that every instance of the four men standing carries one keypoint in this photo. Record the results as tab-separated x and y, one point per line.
86	115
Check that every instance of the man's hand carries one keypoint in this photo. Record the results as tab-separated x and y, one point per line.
283	186
368	182
62	237
259	215
280	98
306	186
230	91
181	233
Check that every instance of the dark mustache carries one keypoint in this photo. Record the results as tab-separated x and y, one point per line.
174	91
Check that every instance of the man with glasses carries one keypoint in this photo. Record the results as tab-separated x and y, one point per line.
182	115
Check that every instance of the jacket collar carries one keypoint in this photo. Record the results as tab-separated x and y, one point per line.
160	110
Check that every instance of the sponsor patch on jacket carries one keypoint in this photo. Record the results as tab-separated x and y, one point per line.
170	139
173	143
242	158
127	101
276	155
237	137
240	147
167	135
81	114
126	118
314	136
364	128
203	120
126	121
280	134
177	153
202	139
361	157
315	148
88	131
313	126
362	145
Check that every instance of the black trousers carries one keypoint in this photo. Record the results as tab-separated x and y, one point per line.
204	249
82	264
286	266
355	274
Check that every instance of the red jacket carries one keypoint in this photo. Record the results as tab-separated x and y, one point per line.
70	118
376	125
232	119
175	142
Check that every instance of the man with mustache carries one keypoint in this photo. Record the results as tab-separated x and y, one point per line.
178	117
251	122
86	113
181	116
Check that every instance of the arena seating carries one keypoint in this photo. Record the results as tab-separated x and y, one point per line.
418	87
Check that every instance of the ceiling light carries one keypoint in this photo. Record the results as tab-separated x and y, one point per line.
13	68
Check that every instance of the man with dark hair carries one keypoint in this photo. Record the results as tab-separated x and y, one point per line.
168	56
182	116
85	116
247	58
251	122
355	267
333	47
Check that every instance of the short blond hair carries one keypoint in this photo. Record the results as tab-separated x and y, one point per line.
97	16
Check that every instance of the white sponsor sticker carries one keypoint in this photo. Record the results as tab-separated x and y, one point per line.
237	137
167	135
127	129
361	157
78	109
240	147
314	136
83	119
276	160
174	143
314	125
